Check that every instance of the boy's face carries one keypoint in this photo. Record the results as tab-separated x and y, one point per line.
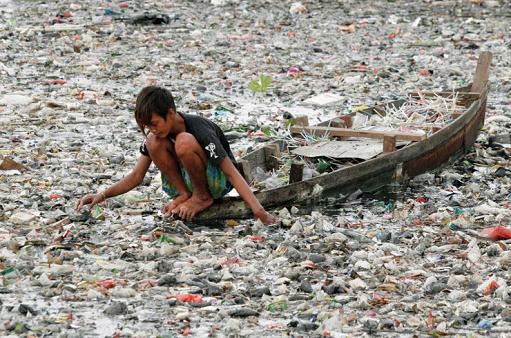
159	126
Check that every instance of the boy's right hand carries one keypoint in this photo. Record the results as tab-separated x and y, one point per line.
91	199
265	217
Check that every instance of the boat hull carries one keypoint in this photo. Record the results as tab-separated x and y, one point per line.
441	148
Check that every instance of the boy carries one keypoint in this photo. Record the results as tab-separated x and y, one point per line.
192	154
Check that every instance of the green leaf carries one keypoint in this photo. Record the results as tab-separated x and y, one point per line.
265	82
261	85
18	328
267	131
165	238
254	86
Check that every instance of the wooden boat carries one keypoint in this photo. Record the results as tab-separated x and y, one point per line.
424	153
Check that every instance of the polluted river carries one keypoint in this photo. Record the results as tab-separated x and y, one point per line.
428	256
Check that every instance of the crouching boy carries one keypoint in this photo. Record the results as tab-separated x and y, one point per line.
192	154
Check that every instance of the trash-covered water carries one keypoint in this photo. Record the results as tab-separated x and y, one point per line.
427	258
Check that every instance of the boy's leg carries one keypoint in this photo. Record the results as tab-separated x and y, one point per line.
194	160
163	154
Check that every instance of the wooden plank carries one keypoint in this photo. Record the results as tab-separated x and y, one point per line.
296	172
345	132
481	74
363	149
389	144
272	156
245	170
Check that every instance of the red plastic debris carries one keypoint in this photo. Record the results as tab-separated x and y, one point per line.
491	287
425	72
360	68
145	238
187	298
392	36
123	5
356	225
54	197
70	316
258	238
57	81
186	332
293	70
55	20
107	283
233	260
498	232
422	199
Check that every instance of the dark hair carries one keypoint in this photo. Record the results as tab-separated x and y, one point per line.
153	99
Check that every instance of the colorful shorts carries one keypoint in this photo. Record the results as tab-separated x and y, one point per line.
218	184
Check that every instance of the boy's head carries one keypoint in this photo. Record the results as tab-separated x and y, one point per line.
153	99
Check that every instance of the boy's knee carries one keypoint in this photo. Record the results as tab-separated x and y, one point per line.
184	143
154	143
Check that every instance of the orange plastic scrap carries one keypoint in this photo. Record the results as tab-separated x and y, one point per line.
187	298
498	232
107	283
491	287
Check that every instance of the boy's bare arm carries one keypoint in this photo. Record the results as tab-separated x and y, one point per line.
127	183
241	186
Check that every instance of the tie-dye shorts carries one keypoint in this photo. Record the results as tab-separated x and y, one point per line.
218	184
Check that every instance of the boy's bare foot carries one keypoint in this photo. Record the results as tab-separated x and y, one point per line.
192	206
168	208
